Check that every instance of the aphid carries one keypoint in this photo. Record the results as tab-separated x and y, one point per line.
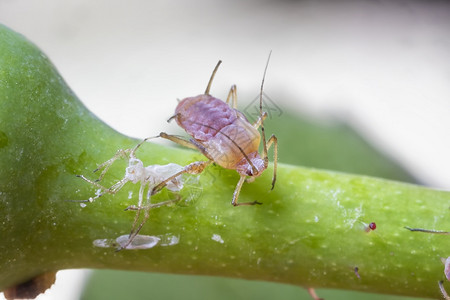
149	176
356	270
224	135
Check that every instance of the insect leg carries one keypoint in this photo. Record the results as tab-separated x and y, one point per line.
178	140
233	95
237	190
136	218
121	153
147	214
193	144
147	208
133	151
193	168
260	120
111	190
313	294
273	140
134	232
212	77
155	205
444	293
94	183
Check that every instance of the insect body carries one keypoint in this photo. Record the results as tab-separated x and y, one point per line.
136	172
224	135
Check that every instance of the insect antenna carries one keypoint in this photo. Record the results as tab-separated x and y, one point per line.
172	117
266	158
212	77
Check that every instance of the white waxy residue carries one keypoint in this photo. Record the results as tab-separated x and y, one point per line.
169	239
103	243
217	238
138	242
153	174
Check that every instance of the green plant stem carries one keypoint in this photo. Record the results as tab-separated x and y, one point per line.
309	230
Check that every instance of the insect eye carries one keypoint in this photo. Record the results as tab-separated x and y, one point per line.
249	172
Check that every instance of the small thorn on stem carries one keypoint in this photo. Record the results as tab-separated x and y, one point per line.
427	230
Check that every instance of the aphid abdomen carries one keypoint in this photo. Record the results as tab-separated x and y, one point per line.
227	148
223	131
204	116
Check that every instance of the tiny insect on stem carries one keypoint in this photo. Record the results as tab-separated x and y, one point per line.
219	131
224	135
148	177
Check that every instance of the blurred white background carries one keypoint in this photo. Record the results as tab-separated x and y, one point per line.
383	66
